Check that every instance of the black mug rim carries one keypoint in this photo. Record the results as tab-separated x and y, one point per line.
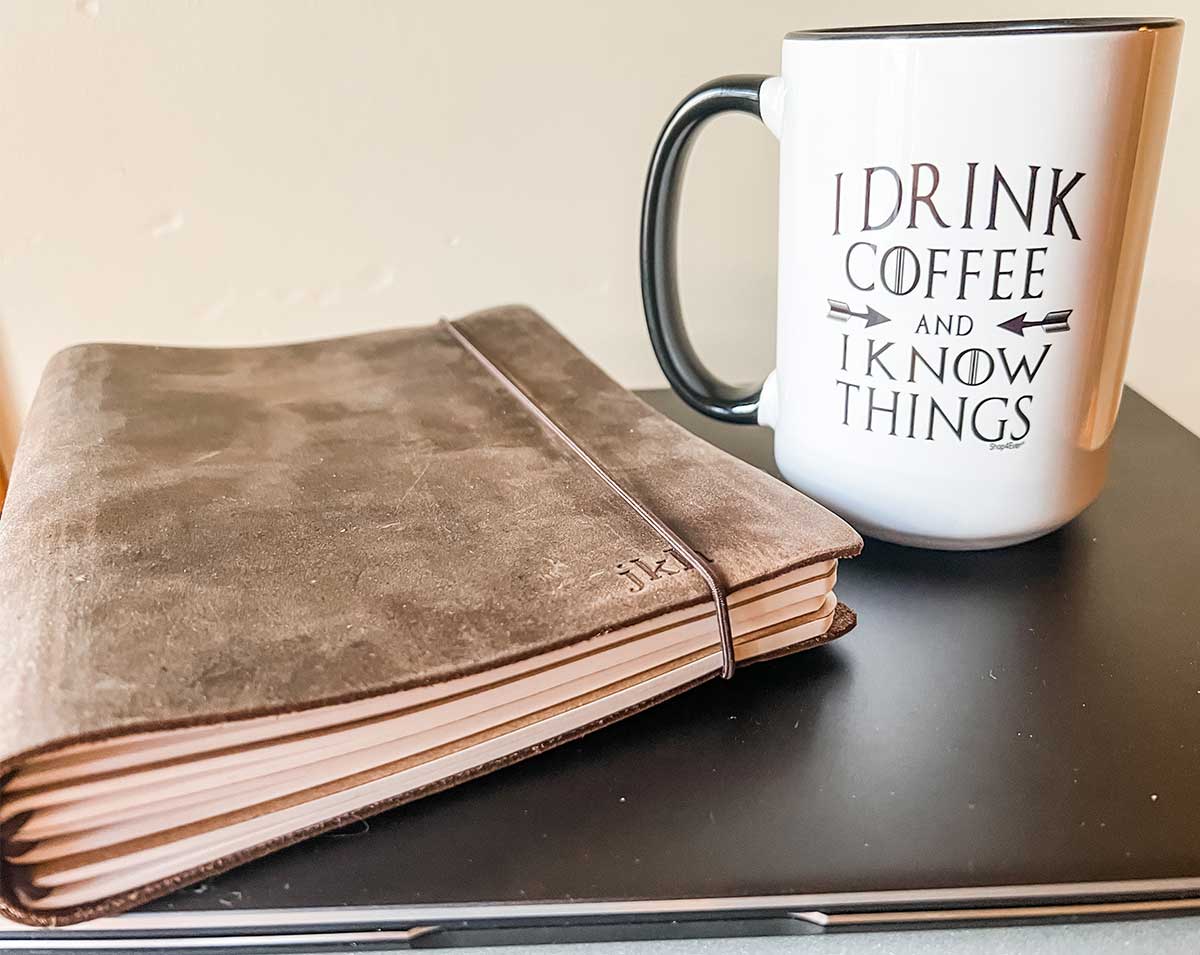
969	28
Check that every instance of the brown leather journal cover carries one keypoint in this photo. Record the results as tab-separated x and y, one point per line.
197	535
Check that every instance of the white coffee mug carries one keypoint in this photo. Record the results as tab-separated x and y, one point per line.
963	215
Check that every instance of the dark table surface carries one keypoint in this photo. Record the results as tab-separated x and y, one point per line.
1004	717
1012	717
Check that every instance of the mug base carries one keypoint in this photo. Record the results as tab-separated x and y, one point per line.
955	543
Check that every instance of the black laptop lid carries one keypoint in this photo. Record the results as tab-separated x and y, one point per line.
1008	718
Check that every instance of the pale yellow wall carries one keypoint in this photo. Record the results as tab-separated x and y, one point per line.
237	172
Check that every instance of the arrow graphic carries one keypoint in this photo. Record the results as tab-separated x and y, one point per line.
843	313
1053	322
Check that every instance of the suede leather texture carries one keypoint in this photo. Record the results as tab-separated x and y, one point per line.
196	535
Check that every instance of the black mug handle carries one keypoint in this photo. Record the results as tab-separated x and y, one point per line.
686	373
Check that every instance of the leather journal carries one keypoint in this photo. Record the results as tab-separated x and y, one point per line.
249	595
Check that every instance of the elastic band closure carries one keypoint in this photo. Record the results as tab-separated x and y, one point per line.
678	544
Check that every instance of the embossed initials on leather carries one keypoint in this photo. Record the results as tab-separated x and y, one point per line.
640	572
